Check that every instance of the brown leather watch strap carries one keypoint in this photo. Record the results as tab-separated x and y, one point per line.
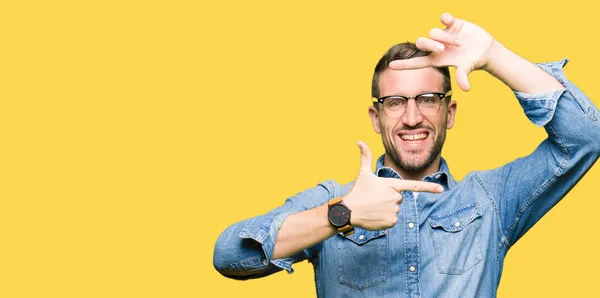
335	201
347	230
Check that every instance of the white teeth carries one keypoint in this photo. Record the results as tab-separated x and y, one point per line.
419	136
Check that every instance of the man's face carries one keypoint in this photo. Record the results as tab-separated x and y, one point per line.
413	141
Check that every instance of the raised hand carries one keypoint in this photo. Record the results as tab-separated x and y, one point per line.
375	201
462	44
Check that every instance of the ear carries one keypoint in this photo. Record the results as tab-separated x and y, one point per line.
374	115
451	114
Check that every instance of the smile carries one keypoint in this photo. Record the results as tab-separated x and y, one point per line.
414	137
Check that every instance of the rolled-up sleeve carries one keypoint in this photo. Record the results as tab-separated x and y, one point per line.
245	248
528	187
540	108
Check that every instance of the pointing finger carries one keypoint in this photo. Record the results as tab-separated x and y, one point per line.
420	186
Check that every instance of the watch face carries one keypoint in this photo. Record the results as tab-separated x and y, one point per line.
339	215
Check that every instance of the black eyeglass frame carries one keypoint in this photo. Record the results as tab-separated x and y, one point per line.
441	95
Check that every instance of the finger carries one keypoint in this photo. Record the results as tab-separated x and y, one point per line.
365	158
420	186
429	45
445	37
399	198
447	19
462	77
412	63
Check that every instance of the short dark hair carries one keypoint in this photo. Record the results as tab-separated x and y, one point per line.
401	51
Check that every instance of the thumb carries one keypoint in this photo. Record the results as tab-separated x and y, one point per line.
365	158
461	77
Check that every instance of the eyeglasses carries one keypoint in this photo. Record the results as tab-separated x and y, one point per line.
428	104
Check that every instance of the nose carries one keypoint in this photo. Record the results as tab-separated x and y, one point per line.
412	116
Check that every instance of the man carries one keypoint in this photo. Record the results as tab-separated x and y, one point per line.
410	229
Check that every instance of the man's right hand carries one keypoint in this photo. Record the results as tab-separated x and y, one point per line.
375	201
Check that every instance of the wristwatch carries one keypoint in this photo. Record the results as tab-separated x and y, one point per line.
339	216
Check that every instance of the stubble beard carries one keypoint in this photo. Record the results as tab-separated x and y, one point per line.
410	162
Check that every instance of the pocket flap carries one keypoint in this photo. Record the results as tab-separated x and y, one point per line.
362	236
457	220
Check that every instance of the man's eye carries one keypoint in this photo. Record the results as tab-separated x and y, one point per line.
428	99
395	102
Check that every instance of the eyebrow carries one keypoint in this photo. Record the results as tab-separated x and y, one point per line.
424	92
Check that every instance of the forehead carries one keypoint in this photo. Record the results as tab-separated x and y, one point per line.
410	82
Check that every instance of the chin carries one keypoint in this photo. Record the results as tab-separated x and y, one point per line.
414	167
414	162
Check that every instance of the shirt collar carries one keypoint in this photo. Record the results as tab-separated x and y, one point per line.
442	177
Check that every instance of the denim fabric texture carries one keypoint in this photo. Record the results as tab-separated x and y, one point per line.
451	244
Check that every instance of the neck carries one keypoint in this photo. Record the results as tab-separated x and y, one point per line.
434	167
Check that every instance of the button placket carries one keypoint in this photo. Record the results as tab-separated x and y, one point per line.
411	243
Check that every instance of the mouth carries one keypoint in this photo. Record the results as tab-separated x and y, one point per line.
413	137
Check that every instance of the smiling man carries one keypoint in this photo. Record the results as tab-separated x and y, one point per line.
410	229
413	131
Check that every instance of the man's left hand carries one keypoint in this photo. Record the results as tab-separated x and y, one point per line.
463	45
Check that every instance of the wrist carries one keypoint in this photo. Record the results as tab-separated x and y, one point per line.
339	216
495	57
353	205
499	59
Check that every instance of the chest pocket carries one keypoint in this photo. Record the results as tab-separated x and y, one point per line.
362	258
455	237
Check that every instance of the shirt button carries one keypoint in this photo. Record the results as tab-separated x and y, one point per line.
457	224
412	269
265	262
361	237
411	225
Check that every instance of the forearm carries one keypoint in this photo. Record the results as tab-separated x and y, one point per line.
528	187
302	230
518	73
245	249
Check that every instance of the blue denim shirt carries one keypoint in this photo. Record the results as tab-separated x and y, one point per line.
451	244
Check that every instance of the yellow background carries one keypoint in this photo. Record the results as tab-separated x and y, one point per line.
134	132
